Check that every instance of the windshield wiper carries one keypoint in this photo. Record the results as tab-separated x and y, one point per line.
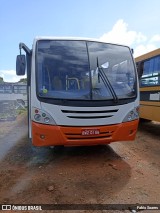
106	81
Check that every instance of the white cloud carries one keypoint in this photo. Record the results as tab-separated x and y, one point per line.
155	38
10	76
120	34
142	49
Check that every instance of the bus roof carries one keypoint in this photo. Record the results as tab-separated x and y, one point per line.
73	38
63	38
148	55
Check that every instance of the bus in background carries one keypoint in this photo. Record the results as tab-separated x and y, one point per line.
13	96
14	92
20	91
148	66
81	91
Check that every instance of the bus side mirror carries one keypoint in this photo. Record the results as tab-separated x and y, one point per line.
20	65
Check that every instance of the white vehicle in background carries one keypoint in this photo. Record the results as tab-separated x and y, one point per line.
14	92
20	93
13	96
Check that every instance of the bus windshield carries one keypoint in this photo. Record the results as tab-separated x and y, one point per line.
67	69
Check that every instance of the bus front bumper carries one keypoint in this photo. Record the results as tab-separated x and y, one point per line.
48	135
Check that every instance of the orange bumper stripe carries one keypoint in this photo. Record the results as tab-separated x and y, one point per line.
48	135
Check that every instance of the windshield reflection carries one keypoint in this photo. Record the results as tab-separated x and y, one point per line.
68	70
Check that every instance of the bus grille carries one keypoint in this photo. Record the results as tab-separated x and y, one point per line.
89	114
102	135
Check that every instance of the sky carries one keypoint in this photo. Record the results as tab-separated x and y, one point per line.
133	23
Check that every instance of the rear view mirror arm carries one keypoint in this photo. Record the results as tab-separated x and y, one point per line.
25	48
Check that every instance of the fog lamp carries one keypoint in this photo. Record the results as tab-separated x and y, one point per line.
42	136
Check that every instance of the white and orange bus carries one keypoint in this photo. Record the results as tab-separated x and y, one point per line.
81	91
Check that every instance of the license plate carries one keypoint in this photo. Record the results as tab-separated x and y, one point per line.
90	132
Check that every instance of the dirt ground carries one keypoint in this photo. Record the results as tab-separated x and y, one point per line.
119	173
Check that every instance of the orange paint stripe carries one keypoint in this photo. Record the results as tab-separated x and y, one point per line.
48	135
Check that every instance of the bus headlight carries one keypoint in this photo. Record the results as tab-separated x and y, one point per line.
37	117
40	116
132	115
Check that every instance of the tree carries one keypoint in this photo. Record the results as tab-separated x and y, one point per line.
23	80
1	80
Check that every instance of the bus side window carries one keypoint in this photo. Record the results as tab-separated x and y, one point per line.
156	71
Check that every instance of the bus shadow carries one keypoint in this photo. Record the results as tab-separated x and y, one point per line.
150	128
95	172
147	142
